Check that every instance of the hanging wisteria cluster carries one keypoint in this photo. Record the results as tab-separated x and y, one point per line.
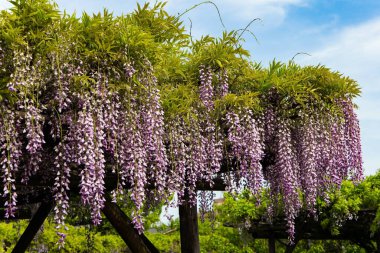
97	109
246	148
310	153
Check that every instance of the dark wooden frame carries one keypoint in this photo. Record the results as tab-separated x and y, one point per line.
306	227
356	230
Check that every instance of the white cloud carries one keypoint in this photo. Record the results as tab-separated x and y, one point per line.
95	6
4	4
355	51
272	12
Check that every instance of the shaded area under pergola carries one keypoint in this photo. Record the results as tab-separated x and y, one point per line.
38	204
356	230
35	202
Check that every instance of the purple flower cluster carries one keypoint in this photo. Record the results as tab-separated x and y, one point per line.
223	83
338	154
61	241
210	140
194	155
86	151
134	136
206	200
35	136
206	89
131	157
2	55
323	153
178	157
246	147
285	171
98	198
136	169
352	139
197	160
61	186
152	120
90	132
82	146
21	62
111	108
307	157
213	148
311	153
10	156
64	75
129	70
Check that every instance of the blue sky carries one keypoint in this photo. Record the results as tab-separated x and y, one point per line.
341	34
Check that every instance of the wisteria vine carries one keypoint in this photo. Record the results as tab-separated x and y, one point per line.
96	117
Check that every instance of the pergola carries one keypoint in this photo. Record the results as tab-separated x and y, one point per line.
307	228
28	201
357	230
112	66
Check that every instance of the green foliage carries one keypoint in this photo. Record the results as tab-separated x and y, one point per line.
214	236
10	232
80	239
341	204
327	246
238	209
166	242
217	238
345	203
151	33
337	207
178	101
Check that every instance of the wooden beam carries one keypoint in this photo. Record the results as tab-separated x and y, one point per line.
217	185
188	219
272	245
124	226
33	226
35	192
31	196
291	247
308	228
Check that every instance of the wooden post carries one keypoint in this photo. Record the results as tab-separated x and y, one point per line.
189	228
124	226
291	247
272	245
33	226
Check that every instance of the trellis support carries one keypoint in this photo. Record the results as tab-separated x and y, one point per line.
189	227
124	226
272	245
33	226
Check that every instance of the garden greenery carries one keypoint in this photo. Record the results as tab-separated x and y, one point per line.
334	210
136	97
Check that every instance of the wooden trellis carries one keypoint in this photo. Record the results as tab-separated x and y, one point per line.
50	59
41	196
39	192
355	230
